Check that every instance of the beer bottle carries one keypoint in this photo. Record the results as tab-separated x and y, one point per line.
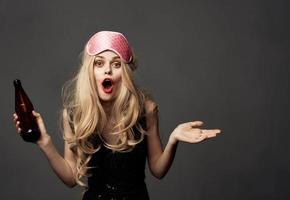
23	108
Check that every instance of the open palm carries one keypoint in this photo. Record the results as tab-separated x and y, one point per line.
189	132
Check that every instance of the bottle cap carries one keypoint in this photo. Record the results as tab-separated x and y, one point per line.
17	82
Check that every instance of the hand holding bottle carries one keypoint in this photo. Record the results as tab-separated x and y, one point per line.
44	138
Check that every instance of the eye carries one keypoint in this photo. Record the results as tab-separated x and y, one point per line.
98	63
117	64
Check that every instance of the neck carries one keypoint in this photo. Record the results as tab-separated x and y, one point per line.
107	105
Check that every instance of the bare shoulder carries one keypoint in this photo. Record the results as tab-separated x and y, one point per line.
151	106
64	114
66	123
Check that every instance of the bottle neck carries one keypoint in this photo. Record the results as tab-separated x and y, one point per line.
19	88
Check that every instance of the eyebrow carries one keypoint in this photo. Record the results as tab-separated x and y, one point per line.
112	58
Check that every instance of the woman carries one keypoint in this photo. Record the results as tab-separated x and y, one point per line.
110	126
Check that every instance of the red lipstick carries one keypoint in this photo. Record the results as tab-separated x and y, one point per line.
108	85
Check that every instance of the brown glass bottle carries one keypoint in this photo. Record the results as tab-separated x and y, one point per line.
23	108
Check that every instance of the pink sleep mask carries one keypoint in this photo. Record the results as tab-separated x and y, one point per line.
109	40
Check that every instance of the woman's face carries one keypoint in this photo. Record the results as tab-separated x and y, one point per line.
108	74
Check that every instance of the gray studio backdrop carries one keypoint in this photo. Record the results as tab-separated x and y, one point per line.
223	62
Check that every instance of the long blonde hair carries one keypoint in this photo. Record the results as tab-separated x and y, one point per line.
88	118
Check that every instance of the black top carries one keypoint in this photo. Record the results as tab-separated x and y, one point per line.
118	175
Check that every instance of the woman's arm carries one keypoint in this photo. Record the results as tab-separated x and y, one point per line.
60	165
160	160
64	167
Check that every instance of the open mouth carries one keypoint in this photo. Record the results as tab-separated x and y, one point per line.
107	85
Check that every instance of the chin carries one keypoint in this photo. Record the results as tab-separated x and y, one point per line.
106	97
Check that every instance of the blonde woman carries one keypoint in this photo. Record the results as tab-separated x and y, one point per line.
110	126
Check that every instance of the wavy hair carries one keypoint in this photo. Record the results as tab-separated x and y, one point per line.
88	118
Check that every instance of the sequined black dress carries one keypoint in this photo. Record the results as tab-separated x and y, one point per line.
117	175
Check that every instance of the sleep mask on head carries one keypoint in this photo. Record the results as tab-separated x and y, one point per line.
109	40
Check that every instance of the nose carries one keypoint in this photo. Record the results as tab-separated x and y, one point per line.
108	70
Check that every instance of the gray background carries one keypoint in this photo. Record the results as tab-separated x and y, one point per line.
223	62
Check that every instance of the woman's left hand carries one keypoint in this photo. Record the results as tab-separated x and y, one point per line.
189	132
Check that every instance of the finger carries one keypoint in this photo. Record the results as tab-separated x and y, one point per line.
211	133
15	117
17	124
18	130
217	131
196	123
39	121
36	114
15	120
